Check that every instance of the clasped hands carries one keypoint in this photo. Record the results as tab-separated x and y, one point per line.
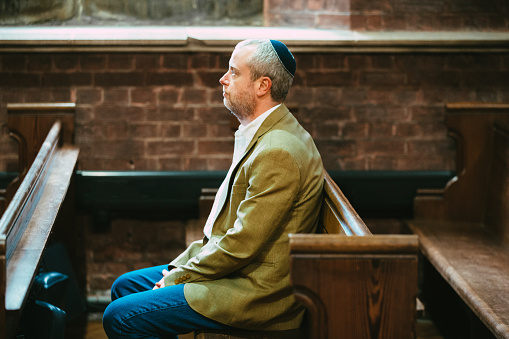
160	283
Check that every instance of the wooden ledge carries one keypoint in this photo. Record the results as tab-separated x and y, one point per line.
474	263
219	39
341	244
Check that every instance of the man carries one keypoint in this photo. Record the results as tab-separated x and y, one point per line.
238	276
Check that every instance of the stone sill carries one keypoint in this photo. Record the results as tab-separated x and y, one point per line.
219	39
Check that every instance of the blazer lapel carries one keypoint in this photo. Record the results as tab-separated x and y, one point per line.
269	122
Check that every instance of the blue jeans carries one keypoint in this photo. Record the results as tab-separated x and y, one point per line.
137	311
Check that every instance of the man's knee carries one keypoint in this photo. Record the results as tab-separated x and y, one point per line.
111	321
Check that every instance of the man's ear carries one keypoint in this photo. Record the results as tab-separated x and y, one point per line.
264	86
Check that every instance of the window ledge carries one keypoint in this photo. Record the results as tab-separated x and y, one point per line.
218	39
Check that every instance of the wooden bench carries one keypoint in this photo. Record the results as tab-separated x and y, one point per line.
464	228
32	210
354	284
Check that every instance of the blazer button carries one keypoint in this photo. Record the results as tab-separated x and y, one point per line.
176	281
188	276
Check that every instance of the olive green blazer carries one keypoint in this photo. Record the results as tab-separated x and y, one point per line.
240	277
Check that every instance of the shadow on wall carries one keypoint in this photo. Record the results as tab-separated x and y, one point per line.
132	12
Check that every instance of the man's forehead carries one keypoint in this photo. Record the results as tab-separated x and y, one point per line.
240	55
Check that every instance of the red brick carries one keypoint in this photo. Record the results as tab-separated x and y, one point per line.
339	5
116	96
215	95
194	164
146	130
219	164
314	5
170	114
381	96
175	61
143	96
382	62
93	62
118	130
147	61
13	62
83	115
354	96
214	147
120	62
382	79
332	61
37	95
215	114
218	130
113	149
175	78
39	62
381	146
408	130
119	79
194	96
329	113
66	79
405	96
487	78
202	60
357	164
429	147
171	130
169	96
89	96
381	163
115	113
194	129
335	78
355	130
19	80
358	62
11	95
336	147
65	62
210	78
427	113
393	22
325	130
428	163
381	130
328	96
169	148
171	164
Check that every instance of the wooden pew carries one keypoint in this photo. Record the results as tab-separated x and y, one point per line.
464	228
354	284
32	210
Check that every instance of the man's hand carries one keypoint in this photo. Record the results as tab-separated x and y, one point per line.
160	284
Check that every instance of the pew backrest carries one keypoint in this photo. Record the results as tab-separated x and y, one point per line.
353	283
28	220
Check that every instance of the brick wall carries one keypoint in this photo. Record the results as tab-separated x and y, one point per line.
390	15
165	112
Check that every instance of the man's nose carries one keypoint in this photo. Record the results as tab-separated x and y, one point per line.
223	80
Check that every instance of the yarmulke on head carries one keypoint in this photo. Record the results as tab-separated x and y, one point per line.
285	56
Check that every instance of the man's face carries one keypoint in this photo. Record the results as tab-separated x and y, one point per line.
238	89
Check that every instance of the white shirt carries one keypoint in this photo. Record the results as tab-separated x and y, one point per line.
243	137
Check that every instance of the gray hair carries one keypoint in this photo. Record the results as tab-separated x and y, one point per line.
265	62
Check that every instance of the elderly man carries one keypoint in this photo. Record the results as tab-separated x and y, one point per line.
238	276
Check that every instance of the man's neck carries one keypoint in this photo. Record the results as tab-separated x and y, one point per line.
259	110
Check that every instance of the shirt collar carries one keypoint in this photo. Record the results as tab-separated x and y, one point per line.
250	129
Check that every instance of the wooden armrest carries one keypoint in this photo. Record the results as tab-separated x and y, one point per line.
23	263
335	243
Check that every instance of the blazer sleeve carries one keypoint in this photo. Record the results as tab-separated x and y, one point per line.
273	185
